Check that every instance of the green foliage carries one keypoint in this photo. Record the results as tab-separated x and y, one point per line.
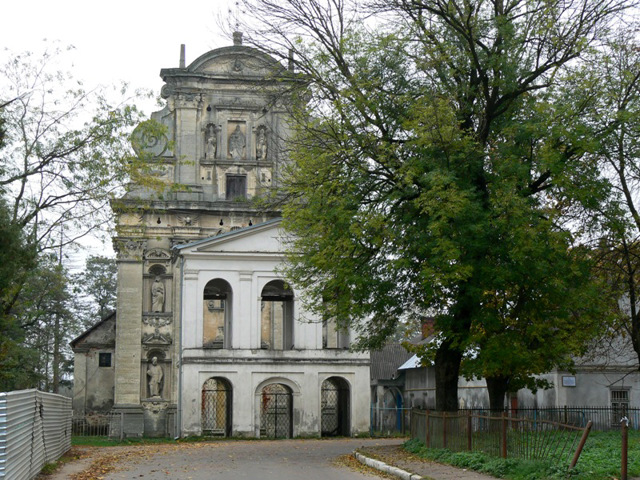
16	259
65	154
67	150
442	169
615	118
97	283
599	460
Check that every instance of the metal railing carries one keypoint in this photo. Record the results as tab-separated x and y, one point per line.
385	421
112	425
603	418
501	436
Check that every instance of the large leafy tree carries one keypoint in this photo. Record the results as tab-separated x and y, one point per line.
97	285
64	154
16	260
67	151
438	167
615	119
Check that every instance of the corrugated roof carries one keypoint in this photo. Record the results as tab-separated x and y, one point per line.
385	362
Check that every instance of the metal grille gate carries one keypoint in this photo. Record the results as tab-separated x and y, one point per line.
275	412
216	396
334	408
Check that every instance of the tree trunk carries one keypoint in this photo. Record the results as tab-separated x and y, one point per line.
447	367
497	387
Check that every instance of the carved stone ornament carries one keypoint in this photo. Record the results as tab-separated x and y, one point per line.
238	102
157	321
188	220
211	141
150	142
129	249
238	66
161	170
188	100
261	143
237	142
157	254
167	90
157	338
155	407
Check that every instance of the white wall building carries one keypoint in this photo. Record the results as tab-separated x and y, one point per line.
252	360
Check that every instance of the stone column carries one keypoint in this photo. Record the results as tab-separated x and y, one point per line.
188	142
247	314
129	335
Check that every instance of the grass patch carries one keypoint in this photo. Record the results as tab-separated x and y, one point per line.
600	460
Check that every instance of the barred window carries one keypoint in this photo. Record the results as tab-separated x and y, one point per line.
619	405
104	359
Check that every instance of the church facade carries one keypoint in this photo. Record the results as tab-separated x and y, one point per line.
209	338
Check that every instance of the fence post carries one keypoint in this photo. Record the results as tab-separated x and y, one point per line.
403	422
583	440
469	427
625	448
426	430
504	435
444	429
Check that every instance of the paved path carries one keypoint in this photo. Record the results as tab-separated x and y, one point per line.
263	459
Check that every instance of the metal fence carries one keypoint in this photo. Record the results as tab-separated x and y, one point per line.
35	429
501	436
112	425
603	418
387	421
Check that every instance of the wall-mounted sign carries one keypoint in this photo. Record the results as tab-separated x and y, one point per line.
568	381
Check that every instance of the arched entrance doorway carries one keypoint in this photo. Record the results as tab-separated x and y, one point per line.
216	407
276	411
334	412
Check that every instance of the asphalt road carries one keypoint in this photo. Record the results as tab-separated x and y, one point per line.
226	460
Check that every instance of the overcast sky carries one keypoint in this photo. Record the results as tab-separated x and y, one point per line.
117	40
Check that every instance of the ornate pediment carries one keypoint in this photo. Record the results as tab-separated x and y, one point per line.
157	254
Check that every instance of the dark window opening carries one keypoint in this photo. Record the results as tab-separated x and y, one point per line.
236	187
104	359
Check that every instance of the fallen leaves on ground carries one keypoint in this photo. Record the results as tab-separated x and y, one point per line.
352	463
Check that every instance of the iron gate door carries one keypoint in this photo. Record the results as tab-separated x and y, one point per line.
216	407
276	412
334	408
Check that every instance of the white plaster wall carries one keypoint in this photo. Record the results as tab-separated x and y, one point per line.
248	263
247	379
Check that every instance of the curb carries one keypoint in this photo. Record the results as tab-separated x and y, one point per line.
383	467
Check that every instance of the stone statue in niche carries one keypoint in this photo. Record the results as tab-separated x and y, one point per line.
157	295
261	144
155	374
212	141
237	143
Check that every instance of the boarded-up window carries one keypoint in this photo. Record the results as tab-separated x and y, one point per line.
236	187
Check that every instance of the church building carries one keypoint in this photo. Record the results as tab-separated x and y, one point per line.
208	337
